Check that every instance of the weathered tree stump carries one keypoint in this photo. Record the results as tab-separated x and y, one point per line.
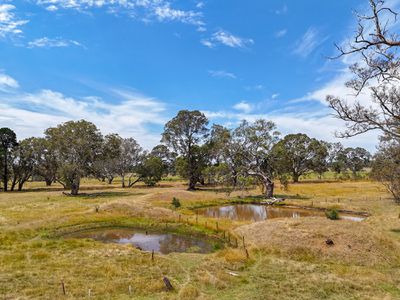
168	284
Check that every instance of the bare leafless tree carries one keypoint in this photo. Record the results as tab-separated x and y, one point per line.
376	45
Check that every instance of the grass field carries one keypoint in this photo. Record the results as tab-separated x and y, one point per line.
288	258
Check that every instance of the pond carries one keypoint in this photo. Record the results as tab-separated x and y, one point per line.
254	212
159	242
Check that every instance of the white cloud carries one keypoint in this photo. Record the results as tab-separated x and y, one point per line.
166	13
200	4
130	115
146	10
9	23
318	124
58	42
226	38
7	82
283	10
207	43
243	106
308	42
281	33
222	74
274	96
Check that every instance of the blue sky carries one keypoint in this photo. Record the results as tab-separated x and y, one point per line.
130	65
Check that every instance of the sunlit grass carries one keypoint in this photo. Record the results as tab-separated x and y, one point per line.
35	258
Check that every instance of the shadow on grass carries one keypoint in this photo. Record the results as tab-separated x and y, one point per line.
396	230
88	188
104	195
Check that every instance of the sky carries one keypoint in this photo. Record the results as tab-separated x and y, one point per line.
130	65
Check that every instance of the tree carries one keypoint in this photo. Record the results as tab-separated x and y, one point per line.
45	160
167	157
252	143
357	159
22	163
378	69
193	169
130	157
319	161
77	145
151	170
298	154
184	133
337	158
106	167
8	140
386	166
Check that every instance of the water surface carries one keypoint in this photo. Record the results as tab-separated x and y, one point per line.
254	212
159	242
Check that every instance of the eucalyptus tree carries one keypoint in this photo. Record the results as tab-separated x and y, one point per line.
376	46
167	157
320	159
150	170
22	163
252	144
106	166
337	158
357	159
185	134
131	155
386	166
8	140
297	154
45	160
77	145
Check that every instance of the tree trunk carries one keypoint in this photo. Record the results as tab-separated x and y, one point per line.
192	184
123	181
20	185
269	189
75	187
5	171
48	181
296	177
110	180
13	184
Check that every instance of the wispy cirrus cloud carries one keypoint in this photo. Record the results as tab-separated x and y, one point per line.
281	33
58	42
226	38
310	40
222	74
147	10
7	82
10	24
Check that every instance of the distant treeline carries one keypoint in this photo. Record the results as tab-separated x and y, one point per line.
251	153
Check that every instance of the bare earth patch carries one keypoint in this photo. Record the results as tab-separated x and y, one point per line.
353	242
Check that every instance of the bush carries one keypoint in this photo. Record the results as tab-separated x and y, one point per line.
332	214
176	203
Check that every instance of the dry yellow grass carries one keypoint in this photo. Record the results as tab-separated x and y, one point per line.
288	258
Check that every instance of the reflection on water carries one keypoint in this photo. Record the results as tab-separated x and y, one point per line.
253	212
163	242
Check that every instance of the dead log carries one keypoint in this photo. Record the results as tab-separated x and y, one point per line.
273	201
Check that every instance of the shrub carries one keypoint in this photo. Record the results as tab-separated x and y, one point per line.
176	203
332	214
